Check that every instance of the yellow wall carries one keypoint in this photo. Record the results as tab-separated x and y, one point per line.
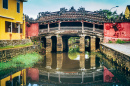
3	81
127	13
11	12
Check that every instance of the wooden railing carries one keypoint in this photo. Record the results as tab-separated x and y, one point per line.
42	31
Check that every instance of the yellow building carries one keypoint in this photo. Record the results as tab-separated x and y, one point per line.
16	79
12	22
127	12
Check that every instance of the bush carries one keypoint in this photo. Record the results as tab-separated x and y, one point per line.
120	42
110	42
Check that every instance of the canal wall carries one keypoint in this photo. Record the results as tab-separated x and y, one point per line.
120	58
4	43
6	54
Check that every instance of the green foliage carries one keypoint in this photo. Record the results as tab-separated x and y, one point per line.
73	55
120	42
17	46
74	49
22	61
110	42
109	14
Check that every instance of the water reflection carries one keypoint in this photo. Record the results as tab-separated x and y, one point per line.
85	69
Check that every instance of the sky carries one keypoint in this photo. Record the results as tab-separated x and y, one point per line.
33	7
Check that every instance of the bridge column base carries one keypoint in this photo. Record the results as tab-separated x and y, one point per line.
59	44
93	43
48	44
82	43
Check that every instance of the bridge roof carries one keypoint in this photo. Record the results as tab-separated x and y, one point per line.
71	15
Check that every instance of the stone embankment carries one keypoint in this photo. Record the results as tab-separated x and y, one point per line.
119	53
6	54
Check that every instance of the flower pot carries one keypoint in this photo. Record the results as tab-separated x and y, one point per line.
10	36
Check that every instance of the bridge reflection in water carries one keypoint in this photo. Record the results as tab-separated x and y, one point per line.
76	69
60	68
68	69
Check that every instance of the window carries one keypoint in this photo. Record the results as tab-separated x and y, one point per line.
18	7
7	26
5	4
14	27
21	28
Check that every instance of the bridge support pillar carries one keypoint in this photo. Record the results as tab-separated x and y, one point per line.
59	44
48	44
82	43
93	43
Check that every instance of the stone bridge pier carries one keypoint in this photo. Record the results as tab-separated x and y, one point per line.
60	43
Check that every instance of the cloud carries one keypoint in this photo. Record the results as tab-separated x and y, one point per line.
33	7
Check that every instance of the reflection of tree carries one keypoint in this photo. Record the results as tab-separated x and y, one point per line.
73	55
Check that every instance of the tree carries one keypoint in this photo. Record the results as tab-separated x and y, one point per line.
112	16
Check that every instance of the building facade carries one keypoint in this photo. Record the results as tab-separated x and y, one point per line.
12	22
32	29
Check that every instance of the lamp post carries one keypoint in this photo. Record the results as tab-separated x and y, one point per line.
113	7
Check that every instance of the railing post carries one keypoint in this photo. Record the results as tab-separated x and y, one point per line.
82	26
48	27
93	26
59	26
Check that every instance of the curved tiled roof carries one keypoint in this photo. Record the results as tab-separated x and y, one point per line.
72	15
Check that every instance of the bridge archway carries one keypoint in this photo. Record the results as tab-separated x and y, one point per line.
43	41
54	43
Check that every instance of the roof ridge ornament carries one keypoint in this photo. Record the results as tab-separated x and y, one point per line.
72	9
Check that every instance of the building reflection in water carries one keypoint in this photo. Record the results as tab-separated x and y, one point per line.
33	74
15	79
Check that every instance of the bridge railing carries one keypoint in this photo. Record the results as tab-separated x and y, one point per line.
69	28
53	28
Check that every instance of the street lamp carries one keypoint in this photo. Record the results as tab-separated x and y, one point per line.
113	7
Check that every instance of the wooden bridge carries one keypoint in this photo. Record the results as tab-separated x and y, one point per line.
63	24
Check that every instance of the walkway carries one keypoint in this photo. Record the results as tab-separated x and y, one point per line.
123	48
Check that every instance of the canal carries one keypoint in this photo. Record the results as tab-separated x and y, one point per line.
71	68
58	69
